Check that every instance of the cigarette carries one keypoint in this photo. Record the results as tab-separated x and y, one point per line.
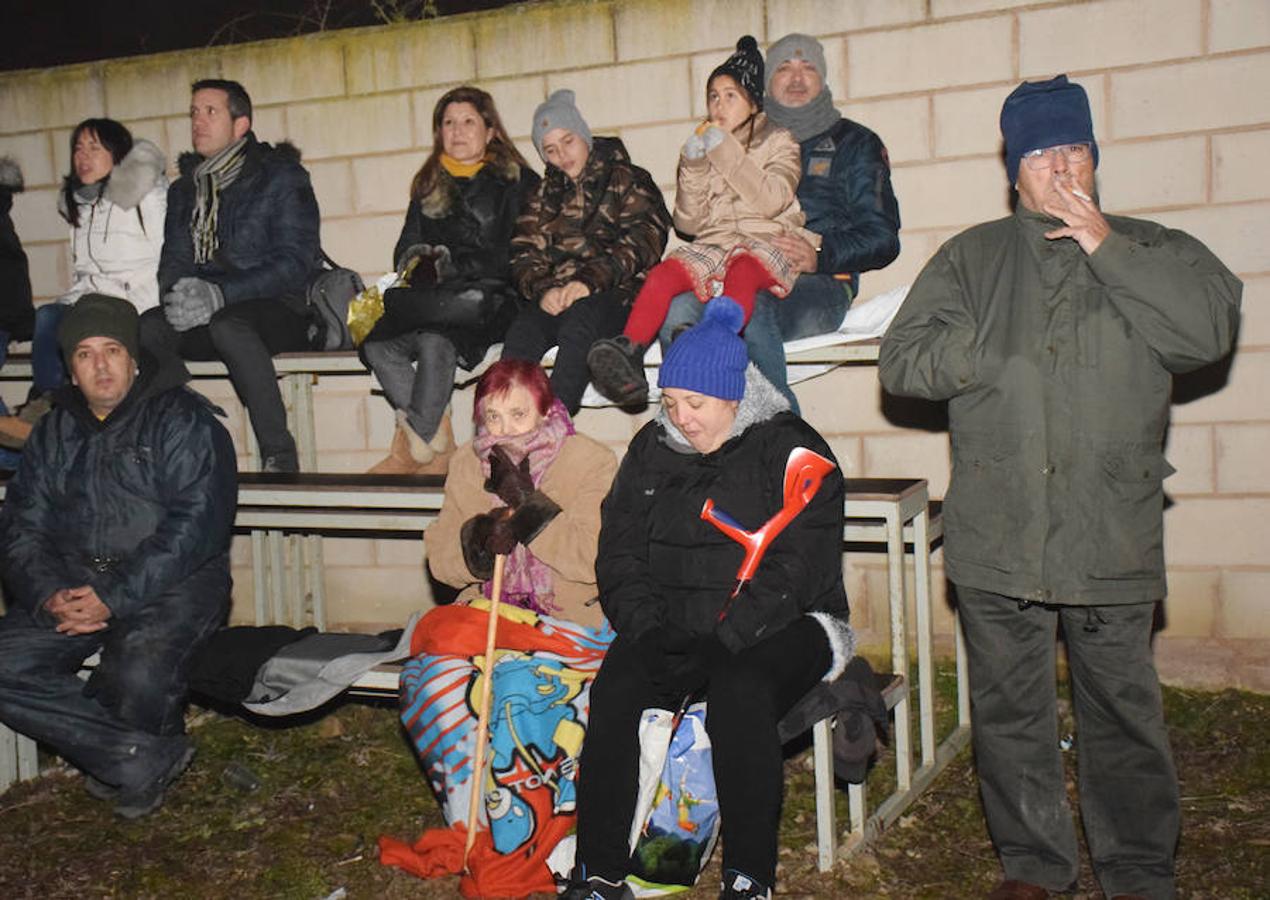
1081	194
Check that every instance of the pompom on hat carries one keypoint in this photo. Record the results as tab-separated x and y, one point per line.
558	111
745	67
1040	114
710	357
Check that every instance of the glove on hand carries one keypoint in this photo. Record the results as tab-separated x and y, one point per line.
485	536
694	147
423	265
511	482
713	137
501	539
191	303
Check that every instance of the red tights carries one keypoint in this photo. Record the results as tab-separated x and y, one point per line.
744	277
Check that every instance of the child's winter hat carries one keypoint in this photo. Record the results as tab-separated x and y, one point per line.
559	111
745	67
710	357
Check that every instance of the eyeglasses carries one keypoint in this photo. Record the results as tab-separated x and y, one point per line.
1043	157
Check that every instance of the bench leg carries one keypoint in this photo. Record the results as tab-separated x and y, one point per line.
826	825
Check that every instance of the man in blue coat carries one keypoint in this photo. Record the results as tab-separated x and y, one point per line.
845	192
114	537
240	246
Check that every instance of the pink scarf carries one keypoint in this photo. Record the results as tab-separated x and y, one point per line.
527	581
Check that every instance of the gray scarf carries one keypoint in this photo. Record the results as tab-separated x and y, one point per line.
804	121
212	176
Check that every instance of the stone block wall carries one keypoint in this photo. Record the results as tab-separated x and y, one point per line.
1178	89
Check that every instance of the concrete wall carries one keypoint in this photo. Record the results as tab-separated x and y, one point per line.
1181	108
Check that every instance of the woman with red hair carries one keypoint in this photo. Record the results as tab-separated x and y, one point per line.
527	488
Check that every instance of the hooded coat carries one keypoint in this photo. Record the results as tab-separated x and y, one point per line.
268	225
115	248
133	504
661	564
605	230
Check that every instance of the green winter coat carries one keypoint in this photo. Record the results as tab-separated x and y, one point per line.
1058	371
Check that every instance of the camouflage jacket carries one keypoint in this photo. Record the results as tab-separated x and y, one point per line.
605	230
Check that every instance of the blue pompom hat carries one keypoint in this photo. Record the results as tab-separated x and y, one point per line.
710	357
1040	114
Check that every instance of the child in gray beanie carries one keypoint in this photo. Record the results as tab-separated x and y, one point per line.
559	111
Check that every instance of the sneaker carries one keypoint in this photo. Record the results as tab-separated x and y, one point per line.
739	886
280	463
617	370
136	803
595	888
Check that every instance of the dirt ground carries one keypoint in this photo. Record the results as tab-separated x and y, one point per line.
329	787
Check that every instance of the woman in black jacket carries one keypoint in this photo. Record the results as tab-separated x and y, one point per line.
667	578
463	206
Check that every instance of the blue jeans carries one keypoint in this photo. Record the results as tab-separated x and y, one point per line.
816	305
48	371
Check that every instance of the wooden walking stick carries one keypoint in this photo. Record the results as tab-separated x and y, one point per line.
482	722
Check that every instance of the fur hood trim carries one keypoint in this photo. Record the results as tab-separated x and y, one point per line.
138	173
760	402
188	161
439	202
11	175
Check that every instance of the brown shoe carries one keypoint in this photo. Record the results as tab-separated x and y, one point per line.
1018	890
398	461
13	432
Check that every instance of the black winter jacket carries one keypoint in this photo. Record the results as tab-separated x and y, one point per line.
17	314
131	505
268	229
474	219
660	564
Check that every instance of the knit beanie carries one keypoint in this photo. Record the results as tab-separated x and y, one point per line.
559	111
97	315
795	46
745	67
1040	114
710	357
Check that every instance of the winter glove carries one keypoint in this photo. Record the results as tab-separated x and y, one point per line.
713	137
502	537
191	303
511	482
673	665
694	147
423	265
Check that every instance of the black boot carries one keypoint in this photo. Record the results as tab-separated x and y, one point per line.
617	370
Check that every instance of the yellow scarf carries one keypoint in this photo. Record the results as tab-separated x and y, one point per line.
459	169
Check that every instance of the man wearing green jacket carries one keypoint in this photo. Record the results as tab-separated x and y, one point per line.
1054	334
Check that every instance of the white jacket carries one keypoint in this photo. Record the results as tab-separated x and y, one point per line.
115	248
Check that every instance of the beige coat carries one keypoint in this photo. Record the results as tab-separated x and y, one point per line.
577	481
731	194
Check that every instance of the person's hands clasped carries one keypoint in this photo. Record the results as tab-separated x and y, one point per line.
557	299
510	481
801	255
78	610
1083	219
191	303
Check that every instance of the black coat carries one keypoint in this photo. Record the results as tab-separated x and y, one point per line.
17	314
474	219
152	489
268	226
660	563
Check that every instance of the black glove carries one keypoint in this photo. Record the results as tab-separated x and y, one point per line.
672	663
511	482
502	538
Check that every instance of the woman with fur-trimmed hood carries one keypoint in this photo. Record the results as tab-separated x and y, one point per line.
453	248
114	199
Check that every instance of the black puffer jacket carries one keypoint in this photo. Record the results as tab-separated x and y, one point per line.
152	489
268	229
17	315
474	219
659	562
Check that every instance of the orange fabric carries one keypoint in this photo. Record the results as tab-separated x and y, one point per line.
460	631
439	852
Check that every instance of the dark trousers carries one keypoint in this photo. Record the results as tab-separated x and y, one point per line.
534	332
245	336
1128	786
121	726
746	696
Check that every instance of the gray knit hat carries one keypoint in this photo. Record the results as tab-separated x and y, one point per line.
97	315
795	46
559	111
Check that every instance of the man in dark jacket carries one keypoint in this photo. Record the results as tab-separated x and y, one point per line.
114	537
240	246
1054	334
845	192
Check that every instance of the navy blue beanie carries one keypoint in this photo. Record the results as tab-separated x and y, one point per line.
1040	114
709	358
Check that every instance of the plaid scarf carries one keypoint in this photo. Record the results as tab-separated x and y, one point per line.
527	581
212	176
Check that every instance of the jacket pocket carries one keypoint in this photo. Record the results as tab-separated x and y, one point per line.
987	507
1128	514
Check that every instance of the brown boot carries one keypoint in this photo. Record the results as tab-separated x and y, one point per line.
13	432
398	461
1018	890
442	447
